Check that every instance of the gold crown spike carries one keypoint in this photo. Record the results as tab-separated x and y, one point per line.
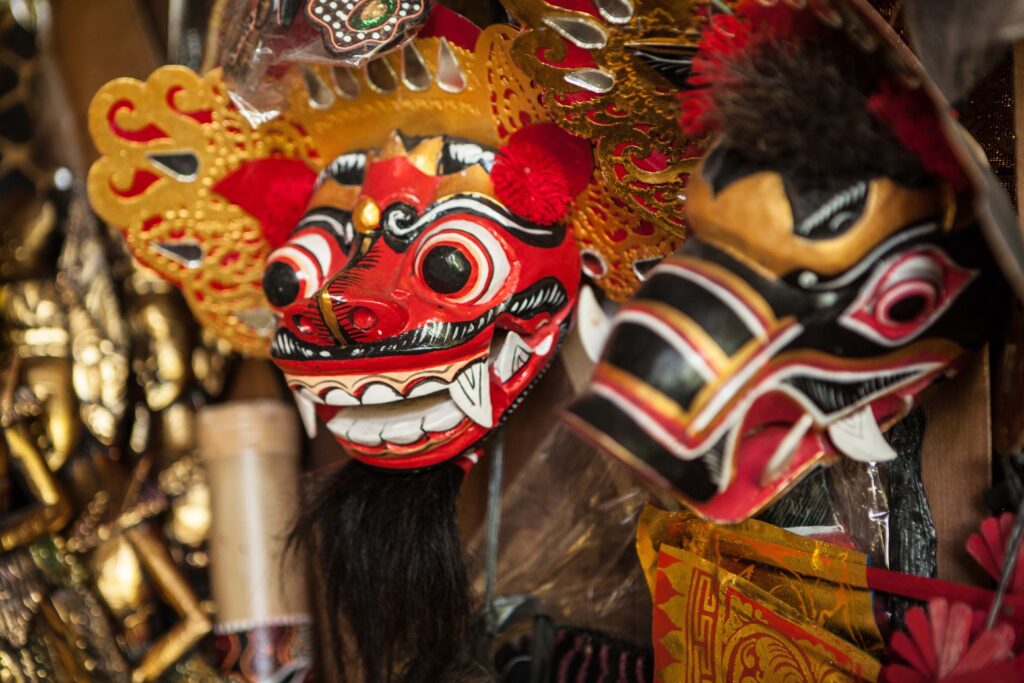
430	87
182	171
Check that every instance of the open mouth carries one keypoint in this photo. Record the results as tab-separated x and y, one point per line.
389	418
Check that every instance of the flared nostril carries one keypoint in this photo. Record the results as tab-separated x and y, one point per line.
280	284
369	318
364	318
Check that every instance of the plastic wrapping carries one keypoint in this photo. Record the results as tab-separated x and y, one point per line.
255	38
568	539
877	508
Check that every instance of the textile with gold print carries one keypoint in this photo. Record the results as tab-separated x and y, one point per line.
732	600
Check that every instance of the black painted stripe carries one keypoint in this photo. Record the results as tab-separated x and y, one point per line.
644	354
690	477
701	305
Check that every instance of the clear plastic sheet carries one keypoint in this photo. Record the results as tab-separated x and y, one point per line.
877	508
568	538
258	39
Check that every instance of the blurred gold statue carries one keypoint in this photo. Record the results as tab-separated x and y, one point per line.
101	545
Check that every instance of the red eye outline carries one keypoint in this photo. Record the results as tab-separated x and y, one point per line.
925	272
311	255
485	254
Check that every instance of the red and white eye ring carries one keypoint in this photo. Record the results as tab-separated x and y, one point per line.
924	290
483	251
309	255
924	280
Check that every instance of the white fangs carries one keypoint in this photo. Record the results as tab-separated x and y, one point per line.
592	324
511	357
380	393
307	411
382	415
446	416
858	436
428	387
471	392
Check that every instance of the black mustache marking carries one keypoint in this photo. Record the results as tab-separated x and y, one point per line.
544	296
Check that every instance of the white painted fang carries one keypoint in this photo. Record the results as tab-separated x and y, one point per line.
512	356
471	392
307	411
378	393
340	397
786	449
858	436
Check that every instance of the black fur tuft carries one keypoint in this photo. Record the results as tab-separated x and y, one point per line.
801	107
397	590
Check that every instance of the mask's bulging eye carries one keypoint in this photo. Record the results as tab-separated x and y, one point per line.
913	298
296	270
906	295
281	284
446	269
462	261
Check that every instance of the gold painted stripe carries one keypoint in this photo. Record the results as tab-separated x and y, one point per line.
732	282
693	334
642	394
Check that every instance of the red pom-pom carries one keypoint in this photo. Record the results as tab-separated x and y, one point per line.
724	37
912	117
531	183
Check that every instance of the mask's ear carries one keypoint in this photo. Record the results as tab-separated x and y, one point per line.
960	41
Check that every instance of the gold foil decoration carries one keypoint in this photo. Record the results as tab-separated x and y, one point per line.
801	597
607	93
179	213
166	142
33	331
98	335
713	626
135	572
51	625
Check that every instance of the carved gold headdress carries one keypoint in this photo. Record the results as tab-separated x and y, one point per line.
203	196
612	75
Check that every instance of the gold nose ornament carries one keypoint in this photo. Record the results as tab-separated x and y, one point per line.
366	217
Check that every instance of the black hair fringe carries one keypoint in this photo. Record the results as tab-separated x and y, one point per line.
387	549
803	106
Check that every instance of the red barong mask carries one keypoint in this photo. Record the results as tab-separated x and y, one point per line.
414	226
415	307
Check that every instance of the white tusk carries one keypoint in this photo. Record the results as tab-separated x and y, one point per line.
859	437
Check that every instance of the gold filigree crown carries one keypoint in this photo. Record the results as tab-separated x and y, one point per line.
170	145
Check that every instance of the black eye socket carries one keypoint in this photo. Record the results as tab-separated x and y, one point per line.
446	270
280	284
908	309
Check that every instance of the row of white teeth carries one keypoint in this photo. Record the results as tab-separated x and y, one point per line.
383	414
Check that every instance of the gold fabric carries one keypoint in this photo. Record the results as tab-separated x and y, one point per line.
815	582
